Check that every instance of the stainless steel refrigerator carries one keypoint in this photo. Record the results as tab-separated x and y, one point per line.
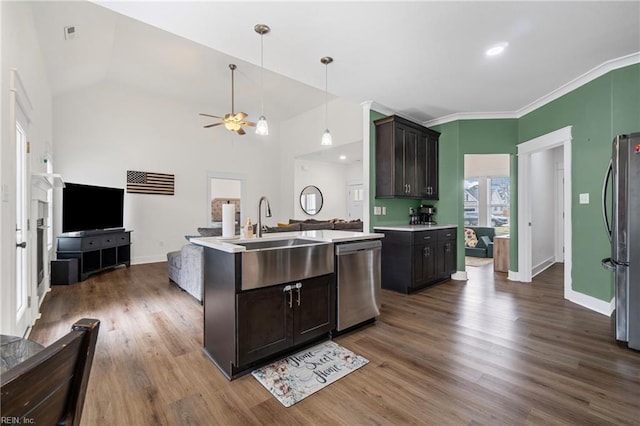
624	232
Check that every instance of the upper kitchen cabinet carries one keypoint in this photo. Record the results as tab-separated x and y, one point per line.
406	159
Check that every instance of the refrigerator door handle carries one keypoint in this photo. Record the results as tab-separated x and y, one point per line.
605	186
609	264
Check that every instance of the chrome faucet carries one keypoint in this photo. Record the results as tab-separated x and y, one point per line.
268	214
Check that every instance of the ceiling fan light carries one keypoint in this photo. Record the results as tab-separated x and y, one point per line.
326	138
262	127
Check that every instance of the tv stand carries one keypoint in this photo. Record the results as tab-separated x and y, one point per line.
96	251
91	232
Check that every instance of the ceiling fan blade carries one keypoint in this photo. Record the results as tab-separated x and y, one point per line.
228	117
209	115
248	123
212	125
240	131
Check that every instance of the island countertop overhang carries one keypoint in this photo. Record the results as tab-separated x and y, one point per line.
231	245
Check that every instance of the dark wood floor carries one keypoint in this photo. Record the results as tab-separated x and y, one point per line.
485	351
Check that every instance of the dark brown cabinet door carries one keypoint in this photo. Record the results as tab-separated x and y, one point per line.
264	321
273	319
406	159
446	259
431	170
397	171
424	266
421	191
314	305
411	163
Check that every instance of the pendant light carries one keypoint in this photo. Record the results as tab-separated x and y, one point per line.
326	136
262	127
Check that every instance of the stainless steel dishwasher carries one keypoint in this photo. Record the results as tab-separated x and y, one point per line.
358	270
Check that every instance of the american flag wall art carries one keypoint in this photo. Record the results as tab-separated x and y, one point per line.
150	183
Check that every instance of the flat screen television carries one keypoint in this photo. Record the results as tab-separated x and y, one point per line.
91	208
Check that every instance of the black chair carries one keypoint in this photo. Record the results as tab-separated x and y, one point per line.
49	387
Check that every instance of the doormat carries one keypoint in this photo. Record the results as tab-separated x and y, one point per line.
299	375
477	261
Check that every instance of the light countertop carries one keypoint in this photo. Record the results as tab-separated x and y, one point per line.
412	228
230	245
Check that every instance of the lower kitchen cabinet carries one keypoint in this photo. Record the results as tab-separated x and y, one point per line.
412	260
273	319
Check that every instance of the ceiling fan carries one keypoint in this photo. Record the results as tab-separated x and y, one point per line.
232	121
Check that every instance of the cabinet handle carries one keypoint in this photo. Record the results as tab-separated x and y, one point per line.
426	252
298	287
288	288
409	186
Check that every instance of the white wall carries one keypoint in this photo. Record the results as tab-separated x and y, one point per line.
20	50
542	209
105	130
301	135
331	180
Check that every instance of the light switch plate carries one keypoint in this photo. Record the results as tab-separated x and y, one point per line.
584	198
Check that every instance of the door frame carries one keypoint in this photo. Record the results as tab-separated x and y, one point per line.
20	109
227	176
351	186
559	138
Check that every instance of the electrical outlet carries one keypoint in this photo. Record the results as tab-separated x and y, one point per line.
584	198
377	211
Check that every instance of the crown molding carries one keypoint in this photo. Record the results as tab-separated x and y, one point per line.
470	116
585	78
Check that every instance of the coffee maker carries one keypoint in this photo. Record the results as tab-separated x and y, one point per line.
427	214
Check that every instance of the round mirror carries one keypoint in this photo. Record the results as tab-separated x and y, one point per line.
311	200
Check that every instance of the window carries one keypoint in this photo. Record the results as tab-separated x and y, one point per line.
486	202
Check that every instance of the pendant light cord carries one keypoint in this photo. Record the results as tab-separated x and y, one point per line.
262	73
326	102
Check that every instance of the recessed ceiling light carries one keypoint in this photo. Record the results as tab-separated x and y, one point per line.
497	49
343	157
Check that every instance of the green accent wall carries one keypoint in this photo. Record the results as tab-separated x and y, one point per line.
597	111
473	137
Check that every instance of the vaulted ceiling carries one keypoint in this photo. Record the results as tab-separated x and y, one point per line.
425	60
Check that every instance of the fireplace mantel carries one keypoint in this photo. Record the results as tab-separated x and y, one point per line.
46	181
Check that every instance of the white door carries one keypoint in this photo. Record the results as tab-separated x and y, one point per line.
22	270
355	194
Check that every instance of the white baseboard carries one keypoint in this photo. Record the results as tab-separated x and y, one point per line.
459	276
542	266
148	259
514	276
590	302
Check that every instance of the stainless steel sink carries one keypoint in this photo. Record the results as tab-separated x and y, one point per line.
270	262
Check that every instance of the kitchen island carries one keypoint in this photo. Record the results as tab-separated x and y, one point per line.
417	256
267	297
